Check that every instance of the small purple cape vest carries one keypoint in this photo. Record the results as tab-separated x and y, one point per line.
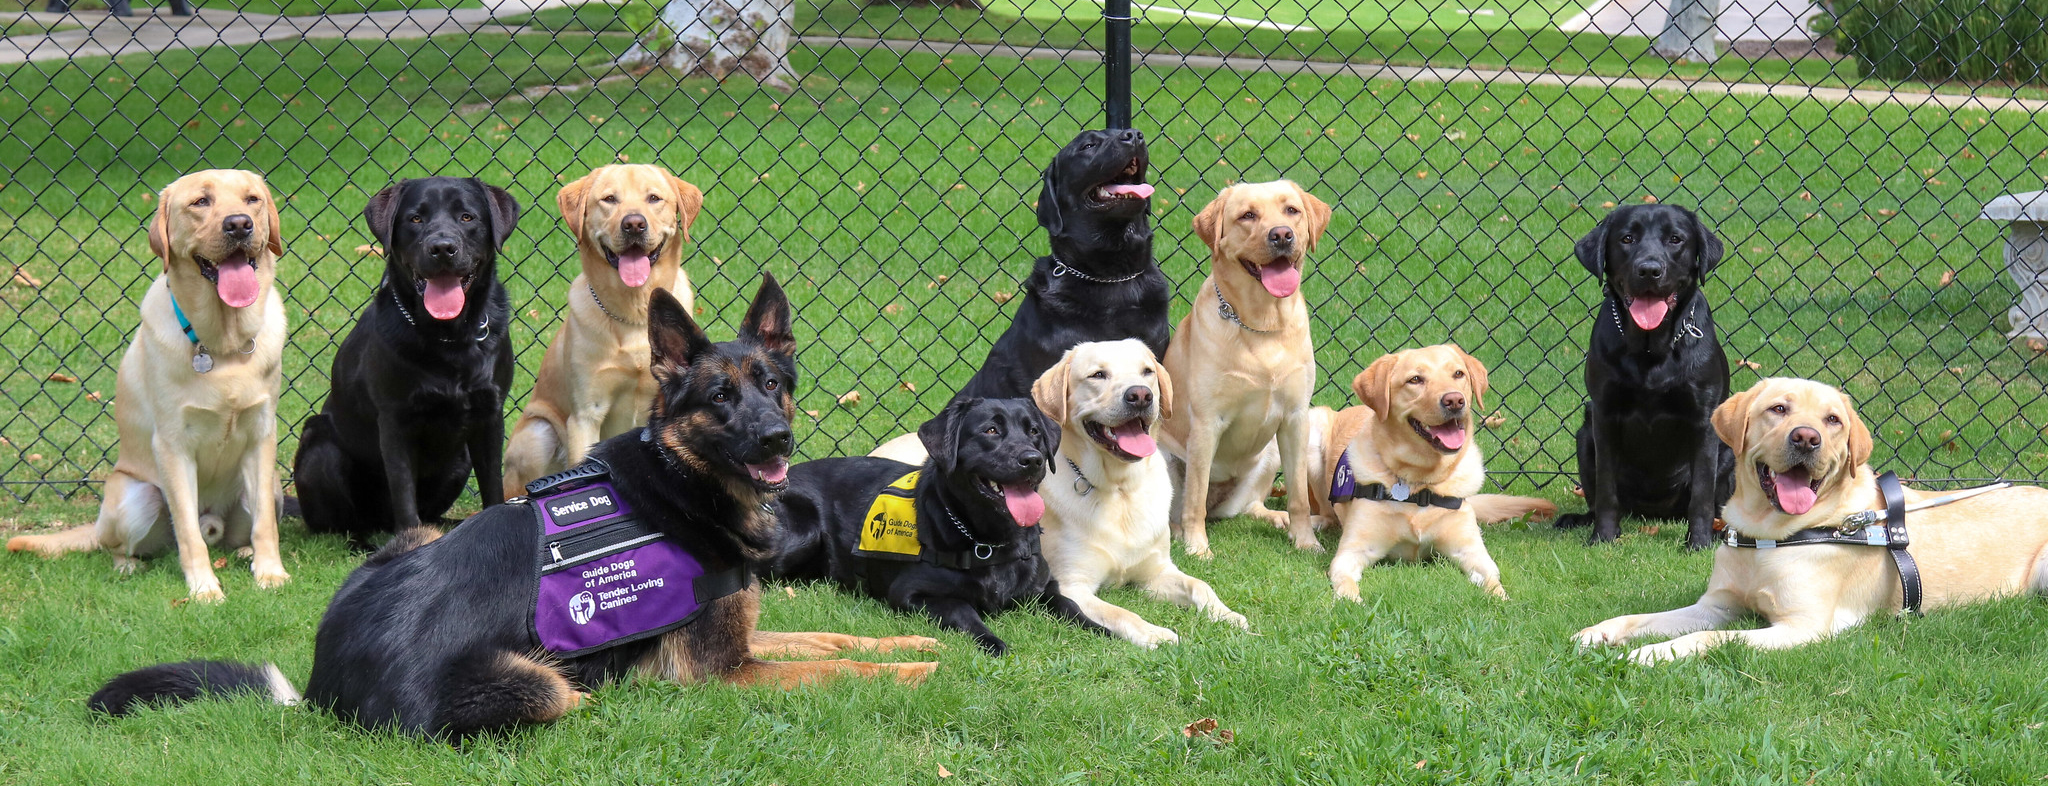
607	578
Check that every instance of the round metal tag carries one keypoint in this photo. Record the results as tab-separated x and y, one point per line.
202	362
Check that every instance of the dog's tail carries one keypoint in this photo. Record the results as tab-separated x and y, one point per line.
85	537
177	683
1496	508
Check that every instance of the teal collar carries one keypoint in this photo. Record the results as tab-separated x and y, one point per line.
183	323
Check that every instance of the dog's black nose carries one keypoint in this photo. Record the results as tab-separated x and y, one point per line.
1280	237
1030	458
1138	396
776	439
1805	438
238	226
1453	401
441	249
633	224
1650	272
1128	135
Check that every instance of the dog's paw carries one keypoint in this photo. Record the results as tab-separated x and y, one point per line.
1497	591
272	577
910	673
917	643
1309	544
1346	589
245	552
125	565
1661	652
1198	548
209	593
1277	518
1319	523
1605	634
1233	618
1151	636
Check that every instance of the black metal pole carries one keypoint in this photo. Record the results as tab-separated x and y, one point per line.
1116	61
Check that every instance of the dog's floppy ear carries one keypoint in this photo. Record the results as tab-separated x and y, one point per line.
1209	222
276	244
378	214
1475	371
1318	216
1048	202
673	339
571	199
160	227
504	213
1710	245
1731	419
941	439
1592	249
1048	439
1049	391
1860	442
1372	385
689	201
1165	390
767	321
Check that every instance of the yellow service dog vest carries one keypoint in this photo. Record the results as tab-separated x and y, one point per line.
890	529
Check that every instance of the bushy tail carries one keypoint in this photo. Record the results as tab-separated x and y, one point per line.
1496	508
84	537
177	683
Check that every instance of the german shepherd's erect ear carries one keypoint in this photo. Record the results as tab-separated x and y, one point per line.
767	322
673	339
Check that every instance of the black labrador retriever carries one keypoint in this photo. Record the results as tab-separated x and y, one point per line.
418	386
455	636
1654	373
1100	282
957	541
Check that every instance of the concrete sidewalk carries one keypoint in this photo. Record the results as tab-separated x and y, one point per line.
154	29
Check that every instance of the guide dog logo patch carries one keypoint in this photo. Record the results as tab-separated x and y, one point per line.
889	530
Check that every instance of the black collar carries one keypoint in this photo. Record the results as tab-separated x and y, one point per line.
1861	529
1425	498
978	553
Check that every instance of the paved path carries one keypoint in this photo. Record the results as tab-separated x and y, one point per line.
155	30
1739	20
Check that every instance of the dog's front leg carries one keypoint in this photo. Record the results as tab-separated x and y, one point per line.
1203	432
179	476
1699	513
957	614
487	447
1119	621
394	445
1293	439
1369	534
1181	589
1714	609
1604	498
1775	637
259	492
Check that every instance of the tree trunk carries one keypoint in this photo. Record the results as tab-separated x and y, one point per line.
718	37
1689	31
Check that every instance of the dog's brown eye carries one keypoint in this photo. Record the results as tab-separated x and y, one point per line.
720	397
609	199
1099	375
1674	240
1628	239
1415	380
202	201
991	431
1248	216
417	219
252	199
468	217
771	384
1834	420
1779	409
1293	211
653	198
1457	375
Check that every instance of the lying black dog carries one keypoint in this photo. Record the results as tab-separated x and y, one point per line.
1654	374
419	385
1100	282
957	541
507	619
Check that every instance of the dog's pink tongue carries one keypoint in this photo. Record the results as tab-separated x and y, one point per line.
1025	504
237	285
1647	313
1131	438
1451	435
1794	495
444	297
635	268
1141	190
1280	279
771	472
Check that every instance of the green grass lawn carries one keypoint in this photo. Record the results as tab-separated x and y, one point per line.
1427	682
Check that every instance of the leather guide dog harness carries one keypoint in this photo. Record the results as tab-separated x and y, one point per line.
889	531
606	577
1344	488
1885	529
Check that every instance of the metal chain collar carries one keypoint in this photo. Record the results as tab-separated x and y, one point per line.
1223	307
1060	268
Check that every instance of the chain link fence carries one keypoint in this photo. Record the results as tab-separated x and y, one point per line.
889	182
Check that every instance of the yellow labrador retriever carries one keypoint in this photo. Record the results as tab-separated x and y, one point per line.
1802	463
1108	498
1244	365
1402	473
630	223
196	395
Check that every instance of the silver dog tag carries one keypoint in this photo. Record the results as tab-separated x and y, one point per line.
1399	491
201	362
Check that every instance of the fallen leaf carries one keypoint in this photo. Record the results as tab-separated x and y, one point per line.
1647	529
811	412
35	457
1454	135
1956	370
532	313
220	562
64	378
2037	345
1425	762
1607	204
944	279
1750	364
623	158
368	250
1421	175
851	398
1493	421
176	602
892	308
92	395
945	773
1649	198
1806	196
23	278
1887	212
1001	297
1948	277
907	386
790	591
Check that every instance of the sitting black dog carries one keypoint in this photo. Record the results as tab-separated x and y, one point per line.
954	540
1100	282
485	628
419	385
1654	374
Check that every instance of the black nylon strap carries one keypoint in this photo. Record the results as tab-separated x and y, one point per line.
963	560
592	467
1895	532
720	583
1420	497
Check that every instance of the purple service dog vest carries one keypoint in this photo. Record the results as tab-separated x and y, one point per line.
607	578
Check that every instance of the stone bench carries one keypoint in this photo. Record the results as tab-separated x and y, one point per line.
2026	260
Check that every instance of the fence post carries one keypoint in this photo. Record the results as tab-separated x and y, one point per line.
1116	60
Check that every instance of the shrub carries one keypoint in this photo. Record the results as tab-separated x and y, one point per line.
1942	40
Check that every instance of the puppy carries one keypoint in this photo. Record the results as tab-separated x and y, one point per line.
1100	282
1244	364
630	222
418	386
1805	458
1654	373
1106	523
196	395
954	540
1402	474
444	636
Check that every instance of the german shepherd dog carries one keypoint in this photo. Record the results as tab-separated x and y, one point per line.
433	635
972	548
